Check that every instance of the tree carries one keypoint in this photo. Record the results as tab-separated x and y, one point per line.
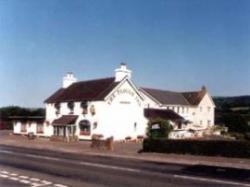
158	128
235	123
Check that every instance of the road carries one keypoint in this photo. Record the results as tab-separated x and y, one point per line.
30	167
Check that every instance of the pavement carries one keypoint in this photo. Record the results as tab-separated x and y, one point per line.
121	150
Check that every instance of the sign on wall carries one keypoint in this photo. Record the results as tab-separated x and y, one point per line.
124	91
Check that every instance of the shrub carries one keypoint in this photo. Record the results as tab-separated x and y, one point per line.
163	130
227	148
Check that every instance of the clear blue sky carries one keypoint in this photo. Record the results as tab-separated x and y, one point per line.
174	45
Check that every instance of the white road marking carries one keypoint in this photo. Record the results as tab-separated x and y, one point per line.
24	181
36	184
4	176
24	177
13	174
211	180
5	172
59	185
46	182
127	169
34	179
110	167
14	178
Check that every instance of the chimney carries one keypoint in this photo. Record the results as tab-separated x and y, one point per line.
68	79
204	89
122	72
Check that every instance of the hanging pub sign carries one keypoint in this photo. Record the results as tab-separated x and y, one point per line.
92	110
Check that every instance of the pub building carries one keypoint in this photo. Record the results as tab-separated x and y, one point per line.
116	107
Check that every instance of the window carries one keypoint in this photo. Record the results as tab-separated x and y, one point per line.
208	122
178	109
84	106
57	107
71	106
23	127
135	126
39	128
200	109
84	127
94	125
182	108
209	109
200	122
179	125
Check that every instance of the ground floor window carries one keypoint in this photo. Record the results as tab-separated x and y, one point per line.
65	131
39	128
23	127
84	126
60	131
71	130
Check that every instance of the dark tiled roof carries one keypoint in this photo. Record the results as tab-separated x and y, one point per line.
167	97
194	98
84	90
65	120
164	114
176	98
55	96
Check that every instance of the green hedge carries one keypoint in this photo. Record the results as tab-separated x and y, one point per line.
199	147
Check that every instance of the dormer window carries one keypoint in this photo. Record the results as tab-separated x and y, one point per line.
71	107
57	107
84	106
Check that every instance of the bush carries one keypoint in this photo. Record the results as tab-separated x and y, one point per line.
163	130
227	148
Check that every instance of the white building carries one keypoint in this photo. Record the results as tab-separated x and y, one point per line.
116	107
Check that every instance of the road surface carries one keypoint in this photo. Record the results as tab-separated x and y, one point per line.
30	167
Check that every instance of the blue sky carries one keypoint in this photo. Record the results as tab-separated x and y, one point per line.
169	44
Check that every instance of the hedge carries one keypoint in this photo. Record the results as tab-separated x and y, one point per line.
227	148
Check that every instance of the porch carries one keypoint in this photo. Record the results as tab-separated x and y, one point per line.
64	129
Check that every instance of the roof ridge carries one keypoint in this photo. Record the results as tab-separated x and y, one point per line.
92	80
159	90
191	91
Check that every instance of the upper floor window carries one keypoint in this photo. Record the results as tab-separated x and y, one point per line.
200	109
182	108
58	107
200	122
179	125
178	109
208	122
84	106
71	106
208	108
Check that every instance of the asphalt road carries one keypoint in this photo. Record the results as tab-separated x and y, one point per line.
30	167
